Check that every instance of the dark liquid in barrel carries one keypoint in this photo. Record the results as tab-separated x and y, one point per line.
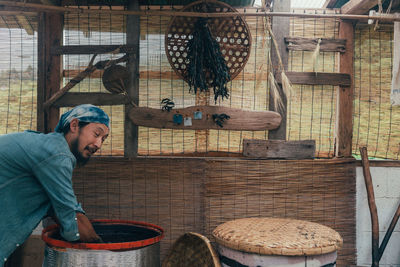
118	233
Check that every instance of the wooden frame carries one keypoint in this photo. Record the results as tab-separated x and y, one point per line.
49	69
280	28
344	112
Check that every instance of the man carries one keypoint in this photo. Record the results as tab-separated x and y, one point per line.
36	177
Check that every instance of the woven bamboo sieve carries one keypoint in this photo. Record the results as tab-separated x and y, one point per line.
278	236
232	34
192	249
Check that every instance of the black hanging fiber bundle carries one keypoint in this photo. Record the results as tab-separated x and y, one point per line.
204	56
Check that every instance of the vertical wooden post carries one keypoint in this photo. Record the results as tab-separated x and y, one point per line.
132	38
344	107
49	68
280	28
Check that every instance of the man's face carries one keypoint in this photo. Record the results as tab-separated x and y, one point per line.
90	138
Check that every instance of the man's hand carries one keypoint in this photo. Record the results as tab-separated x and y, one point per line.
86	231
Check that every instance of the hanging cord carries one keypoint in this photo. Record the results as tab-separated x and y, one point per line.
315	56
286	84
380	11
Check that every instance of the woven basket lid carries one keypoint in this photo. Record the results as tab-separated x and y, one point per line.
192	249
278	236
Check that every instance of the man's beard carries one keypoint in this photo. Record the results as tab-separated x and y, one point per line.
80	159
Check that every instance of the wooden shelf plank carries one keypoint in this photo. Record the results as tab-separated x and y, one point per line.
345	94
89	49
309	44
246	120
98	99
317	78
282	149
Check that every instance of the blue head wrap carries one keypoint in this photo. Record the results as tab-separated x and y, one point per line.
85	113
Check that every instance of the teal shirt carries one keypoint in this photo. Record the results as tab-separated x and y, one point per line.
35	175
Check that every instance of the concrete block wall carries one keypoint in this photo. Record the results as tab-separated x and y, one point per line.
386	181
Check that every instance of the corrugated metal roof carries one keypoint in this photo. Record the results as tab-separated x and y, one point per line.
300	3
307	3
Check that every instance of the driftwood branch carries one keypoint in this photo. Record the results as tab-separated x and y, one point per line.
82	75
389	233
372	207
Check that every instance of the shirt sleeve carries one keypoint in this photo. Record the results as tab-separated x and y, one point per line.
55	175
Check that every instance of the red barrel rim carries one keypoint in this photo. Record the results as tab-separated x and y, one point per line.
105	246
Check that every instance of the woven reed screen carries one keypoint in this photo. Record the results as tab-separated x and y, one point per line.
183	195
310	111
376	121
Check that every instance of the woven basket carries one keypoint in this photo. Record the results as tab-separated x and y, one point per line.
232	34
275	236
192	249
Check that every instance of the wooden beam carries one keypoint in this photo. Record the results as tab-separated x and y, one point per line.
98	99
317	78
358	7
54	35
186	118
49	69
310	78
344	107
280	28
5	12
24	23
252	12
41	79
131	134
90	49
282	149
309	44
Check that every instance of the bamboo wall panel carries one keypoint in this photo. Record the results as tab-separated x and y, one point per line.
310	110
376	121
183	195
164	192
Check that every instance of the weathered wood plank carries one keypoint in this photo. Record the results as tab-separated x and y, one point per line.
245	120
100	99
131	133
41	79
90	49
344	113
281	149
10	11
310	78
317	78
23	22
358	7
54	36
309	44
280	28
164	74
49	69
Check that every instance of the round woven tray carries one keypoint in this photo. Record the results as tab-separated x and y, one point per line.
231	33
276	236
192	249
